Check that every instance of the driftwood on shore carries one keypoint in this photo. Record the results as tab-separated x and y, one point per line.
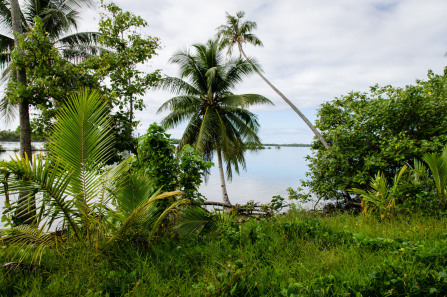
246	209
213	203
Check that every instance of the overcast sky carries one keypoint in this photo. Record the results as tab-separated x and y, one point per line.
314	50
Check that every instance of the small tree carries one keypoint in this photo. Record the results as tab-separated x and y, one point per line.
51	77
127	50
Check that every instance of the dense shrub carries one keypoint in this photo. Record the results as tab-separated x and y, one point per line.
380	130
158	160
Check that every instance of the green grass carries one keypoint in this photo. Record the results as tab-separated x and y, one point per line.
298	254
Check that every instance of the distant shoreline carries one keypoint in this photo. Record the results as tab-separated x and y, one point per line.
176	141
290	144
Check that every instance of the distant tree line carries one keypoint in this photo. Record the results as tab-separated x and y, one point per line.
176	141
8	135
290	144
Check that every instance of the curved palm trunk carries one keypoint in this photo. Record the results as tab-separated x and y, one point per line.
302	116
223	186
26	205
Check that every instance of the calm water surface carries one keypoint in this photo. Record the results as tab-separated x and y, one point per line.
269	172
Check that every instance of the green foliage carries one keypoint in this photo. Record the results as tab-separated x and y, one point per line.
295	254
274	206
127	49
14	136
75	192
438	167
7	135
191	173
57	19
370	132
157	159
413	190
51	78
381	195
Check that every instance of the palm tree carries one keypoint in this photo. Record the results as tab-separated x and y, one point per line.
218	119
238	32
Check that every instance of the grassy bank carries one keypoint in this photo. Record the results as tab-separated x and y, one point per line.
298	254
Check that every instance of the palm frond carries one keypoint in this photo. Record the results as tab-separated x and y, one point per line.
5	14
8	111
43	176
32	241
82	138
245	100
195	220
178	86
135	216
438	168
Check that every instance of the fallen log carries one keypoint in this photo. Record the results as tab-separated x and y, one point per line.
217	204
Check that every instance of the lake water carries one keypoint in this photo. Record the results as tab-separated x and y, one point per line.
269	172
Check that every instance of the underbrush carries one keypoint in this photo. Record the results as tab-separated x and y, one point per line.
297	254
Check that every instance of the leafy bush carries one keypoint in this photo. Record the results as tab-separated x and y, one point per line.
157	159
380	130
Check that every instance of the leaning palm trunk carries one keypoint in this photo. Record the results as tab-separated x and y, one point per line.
302	116
223	186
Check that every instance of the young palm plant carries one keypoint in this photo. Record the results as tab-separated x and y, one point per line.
76	195
381	196
438	167
218	121
238	32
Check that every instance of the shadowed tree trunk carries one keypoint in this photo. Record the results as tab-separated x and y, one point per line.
26	202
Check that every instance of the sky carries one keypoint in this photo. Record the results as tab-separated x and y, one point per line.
314	50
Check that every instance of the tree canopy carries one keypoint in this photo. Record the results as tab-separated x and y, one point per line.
377	130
